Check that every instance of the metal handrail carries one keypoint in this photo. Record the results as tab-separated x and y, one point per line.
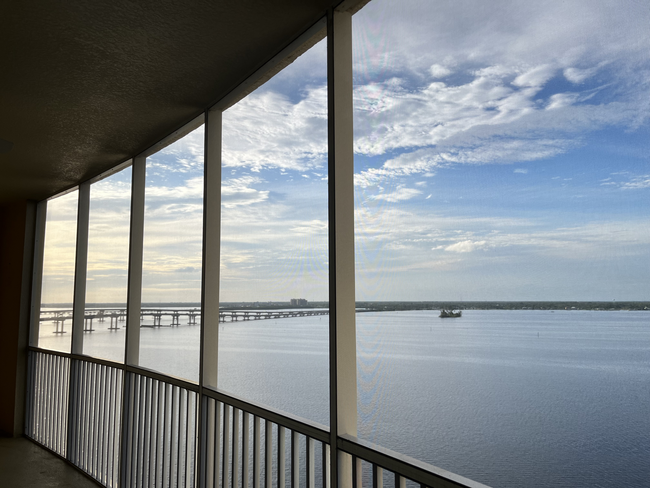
309	428
423	473
403	466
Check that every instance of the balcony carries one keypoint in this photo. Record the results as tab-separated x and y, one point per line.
130	427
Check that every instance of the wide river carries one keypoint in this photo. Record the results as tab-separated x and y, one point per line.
508	398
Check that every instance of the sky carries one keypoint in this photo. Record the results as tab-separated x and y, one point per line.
502	152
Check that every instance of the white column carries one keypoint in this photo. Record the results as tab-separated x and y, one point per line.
37	273
81	261
134	296
343	364
211	246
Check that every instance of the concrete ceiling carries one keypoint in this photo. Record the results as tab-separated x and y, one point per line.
86	85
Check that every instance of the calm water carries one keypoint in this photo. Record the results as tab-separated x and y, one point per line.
508	398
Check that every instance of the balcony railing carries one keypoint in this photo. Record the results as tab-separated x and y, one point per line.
130	427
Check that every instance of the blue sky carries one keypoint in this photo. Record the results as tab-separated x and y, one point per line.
502	150
501	153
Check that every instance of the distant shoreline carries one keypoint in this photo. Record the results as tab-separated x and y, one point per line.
386	306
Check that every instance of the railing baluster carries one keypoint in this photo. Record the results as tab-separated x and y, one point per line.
140	431
62	380
377	476
179	438
54	404
235	447
176	431
126	460
226	446
326	465
268	454
39	403
245	450
359	472
71	432
112	402
256	451
311	481
148	427
188	454
87	442
281	456
101	425
92	419
217	443
295	459
108	420
49	421
208	439
50	408
159	412
56	394
43	406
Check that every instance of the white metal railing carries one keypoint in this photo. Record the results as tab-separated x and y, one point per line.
47	402
95	419
376	466
131	427
159	433
250	446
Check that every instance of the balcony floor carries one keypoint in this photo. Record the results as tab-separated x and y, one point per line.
24	464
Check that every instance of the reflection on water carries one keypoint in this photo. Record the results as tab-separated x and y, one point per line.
509	398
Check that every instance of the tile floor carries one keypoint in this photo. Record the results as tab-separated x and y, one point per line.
23	464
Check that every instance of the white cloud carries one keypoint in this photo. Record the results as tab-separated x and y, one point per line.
239	191
183	156
466	246
561	100
577	76
504	112
636	183
439	71
535	77
191	188
268	130
521	170
398	195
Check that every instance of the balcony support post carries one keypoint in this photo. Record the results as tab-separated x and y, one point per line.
342	340
136	246
81	261
211	249
133	308
208	358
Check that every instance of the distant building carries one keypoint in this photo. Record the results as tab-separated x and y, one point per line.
298	302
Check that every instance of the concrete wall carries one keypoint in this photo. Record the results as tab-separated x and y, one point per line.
16	249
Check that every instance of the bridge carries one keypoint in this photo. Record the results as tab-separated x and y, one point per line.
116	315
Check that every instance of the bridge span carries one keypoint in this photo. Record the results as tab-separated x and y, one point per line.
172	317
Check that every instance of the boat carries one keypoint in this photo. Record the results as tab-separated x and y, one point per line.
446	314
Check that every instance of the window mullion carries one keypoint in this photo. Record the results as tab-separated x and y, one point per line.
81	262
343	376
134	297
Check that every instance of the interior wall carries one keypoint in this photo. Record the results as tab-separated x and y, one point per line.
16	249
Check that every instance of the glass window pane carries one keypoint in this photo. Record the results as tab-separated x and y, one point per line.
57	290
107	269
274	242
501	164
171	270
